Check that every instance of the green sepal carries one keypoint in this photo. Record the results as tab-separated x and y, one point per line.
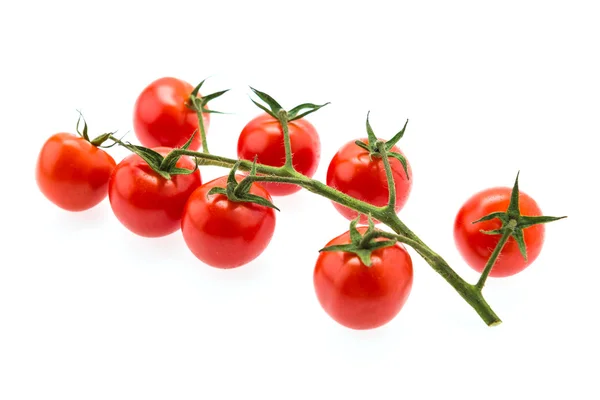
101	139
515	222
155	160
151	157
526	222
98	141
212	96
84	133
363	254
355	235
261	201
115	140
491	232
376	147
370	134
201	105
500	215
198	104
185	171
271	102
207	111
402	160
390	143
518	236
171	166
253	168
275	109
362	145
231	176
243	195
363	250
513	207
217	190
244	186
197	88
296	112
370	224
265	109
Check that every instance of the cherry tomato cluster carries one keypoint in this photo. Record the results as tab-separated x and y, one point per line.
362	278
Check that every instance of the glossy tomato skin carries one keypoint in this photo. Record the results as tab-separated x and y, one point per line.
361	297
146	203
353	172
263	137
162	118
476	247
226	234
73	173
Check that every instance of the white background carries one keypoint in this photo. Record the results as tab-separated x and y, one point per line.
90	311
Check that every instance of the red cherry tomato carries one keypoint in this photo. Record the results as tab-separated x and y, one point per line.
73	173
361	297
263	137
223	233
146	203
162	118
476	247
355	173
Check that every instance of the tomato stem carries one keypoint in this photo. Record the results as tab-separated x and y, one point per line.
257	178
381	148
283	121
508	230
202	131
470	293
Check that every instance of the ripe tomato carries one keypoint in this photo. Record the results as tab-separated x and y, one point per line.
73	173
361	297
223	233
476	247
354	172
146	203
162	118
263	137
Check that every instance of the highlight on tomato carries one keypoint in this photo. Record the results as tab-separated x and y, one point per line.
227	223
148	195
164	114
362	285
72	171
357	169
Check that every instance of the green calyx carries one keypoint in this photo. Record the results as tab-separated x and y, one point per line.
377	147
513	222
239	192
165	166
362	245
98	141
198	103
275	110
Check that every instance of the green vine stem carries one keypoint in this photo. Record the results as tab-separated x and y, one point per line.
513	222
492	260
388	173
283	120
198	103
202	131
385	215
